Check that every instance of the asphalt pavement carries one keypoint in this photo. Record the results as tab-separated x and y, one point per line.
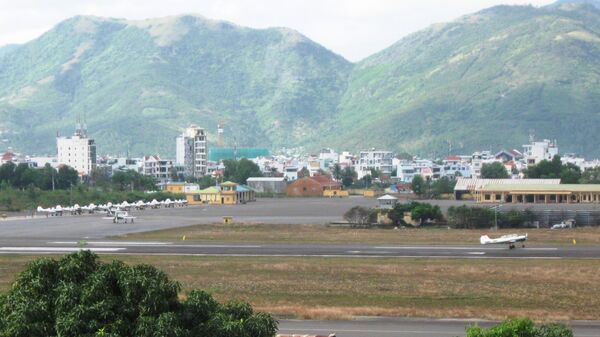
27	246
403	327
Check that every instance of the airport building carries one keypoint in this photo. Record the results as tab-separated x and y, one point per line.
77	151
227	193
539	194
191	151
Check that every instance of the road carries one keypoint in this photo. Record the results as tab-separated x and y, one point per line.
402	327
28	246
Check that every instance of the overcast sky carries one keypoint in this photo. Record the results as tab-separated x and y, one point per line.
352	28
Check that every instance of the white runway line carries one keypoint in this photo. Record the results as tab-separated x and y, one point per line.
113	243
440	248
57	249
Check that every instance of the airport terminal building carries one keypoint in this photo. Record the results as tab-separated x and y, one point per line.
538	194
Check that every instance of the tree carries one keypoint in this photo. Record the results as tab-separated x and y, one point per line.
66	177
418	185
130	180
80	296
359	216
348	176
444	185
470	217
366	181
337	172
240	170
423	212
495	170
591	176
303	173
568	174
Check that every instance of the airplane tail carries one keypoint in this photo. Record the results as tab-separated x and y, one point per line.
484	239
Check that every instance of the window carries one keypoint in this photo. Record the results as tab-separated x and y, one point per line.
487	197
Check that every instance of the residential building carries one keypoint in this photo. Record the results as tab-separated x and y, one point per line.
161	170
535	152
379	160
290	173
192	151
77	151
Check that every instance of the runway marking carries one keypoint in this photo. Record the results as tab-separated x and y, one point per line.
476	253
440	248
57	249
112	243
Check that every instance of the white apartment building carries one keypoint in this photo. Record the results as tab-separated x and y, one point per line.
380	160
192	151
537	151
159	169
77	151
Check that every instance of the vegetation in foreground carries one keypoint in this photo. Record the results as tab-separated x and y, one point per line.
79	295
523	327
338	288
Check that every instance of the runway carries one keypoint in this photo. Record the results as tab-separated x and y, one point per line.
183	248
402	327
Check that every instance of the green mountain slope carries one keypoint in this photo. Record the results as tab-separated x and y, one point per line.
482	82
137	82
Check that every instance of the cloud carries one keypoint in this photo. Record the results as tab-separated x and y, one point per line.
352	28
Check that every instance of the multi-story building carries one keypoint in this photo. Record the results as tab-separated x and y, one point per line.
535	152
77	151
379	160
192	151
159	169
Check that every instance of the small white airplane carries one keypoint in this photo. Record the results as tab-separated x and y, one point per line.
510	240
118	215
48	211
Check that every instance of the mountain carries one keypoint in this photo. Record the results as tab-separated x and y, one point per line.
481	82
595	3
136	83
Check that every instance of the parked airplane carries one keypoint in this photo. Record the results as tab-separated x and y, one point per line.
510	240
117	215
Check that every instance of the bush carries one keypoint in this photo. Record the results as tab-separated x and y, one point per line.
522	327
80	296
360	216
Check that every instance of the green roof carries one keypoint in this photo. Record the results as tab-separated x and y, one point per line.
212	189
541	188
228	183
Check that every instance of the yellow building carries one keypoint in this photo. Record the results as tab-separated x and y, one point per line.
539	194
181	187
227	193
336	194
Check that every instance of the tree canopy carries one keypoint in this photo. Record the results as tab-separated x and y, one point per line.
240	170
495	170
522	327
79	296
554	169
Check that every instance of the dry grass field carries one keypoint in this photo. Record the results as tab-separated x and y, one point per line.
331	288
263	233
